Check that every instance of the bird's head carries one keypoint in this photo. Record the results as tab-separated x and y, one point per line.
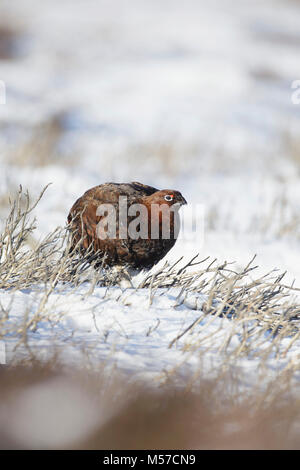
167	196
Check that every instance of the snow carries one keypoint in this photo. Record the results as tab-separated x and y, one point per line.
212	81
123	329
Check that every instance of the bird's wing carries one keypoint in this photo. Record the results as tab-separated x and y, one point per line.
147	190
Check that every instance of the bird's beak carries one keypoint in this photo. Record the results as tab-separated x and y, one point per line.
180	202
183	201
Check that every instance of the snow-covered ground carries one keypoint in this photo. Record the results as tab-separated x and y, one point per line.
164	339
194	96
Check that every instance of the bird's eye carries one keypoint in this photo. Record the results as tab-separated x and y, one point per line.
169	197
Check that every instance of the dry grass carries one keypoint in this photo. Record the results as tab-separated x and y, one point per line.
114	414
291	147
280	219
200	414
43	147
235	294
165	156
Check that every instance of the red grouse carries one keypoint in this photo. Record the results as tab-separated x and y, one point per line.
125	224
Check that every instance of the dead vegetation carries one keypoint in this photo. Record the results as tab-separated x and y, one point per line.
42	147
47	408
258	307
230	293
214	416
291	146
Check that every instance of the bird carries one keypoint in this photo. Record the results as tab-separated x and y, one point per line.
104	223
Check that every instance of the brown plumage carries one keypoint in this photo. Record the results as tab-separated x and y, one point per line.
141	251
